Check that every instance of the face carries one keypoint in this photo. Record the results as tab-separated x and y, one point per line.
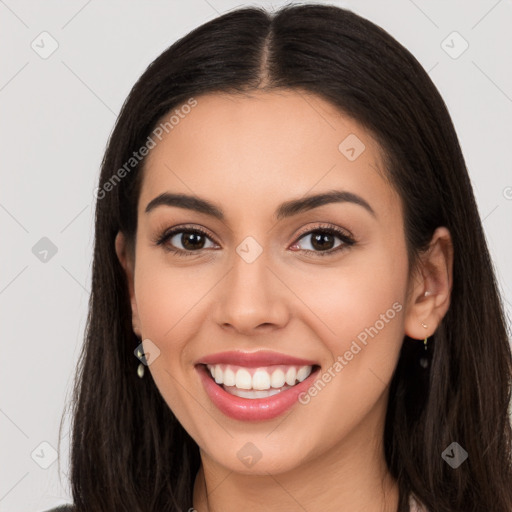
268	296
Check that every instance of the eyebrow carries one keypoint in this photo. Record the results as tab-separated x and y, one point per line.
285	210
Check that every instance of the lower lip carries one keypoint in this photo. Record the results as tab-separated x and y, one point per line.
256	409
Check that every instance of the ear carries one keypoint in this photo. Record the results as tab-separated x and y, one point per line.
126	259
430	287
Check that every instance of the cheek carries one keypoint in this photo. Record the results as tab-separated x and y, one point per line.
165	297
366	290
362	306
165	304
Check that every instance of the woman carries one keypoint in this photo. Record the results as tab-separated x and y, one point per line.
338	340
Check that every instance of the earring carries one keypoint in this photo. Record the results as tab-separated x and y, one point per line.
424	360
426	337
140	368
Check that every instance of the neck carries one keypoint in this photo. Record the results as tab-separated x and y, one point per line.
352	475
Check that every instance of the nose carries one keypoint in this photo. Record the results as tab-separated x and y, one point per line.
252	298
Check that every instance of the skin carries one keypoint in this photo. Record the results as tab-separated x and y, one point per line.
248	154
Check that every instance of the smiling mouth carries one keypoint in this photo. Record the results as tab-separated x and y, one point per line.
258	382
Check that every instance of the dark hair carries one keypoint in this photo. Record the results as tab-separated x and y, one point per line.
128	450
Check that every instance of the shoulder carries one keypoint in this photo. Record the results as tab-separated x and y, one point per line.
62	508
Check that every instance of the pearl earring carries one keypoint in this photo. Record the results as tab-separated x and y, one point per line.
425	342
140	368
424	360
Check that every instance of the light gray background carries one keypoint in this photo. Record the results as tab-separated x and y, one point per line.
56	116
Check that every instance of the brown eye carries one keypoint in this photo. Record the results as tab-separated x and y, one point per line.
191	240
322	241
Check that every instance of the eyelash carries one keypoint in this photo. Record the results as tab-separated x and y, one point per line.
347	240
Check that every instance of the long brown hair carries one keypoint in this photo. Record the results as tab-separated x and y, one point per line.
128	450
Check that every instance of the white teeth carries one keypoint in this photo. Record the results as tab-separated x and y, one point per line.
252	393
278	379
291	374
303	373
243	379
269	378
218	376
229	377
260	380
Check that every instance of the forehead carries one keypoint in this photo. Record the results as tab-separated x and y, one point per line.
252	152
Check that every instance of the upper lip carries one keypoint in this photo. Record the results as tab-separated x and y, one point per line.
254	359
